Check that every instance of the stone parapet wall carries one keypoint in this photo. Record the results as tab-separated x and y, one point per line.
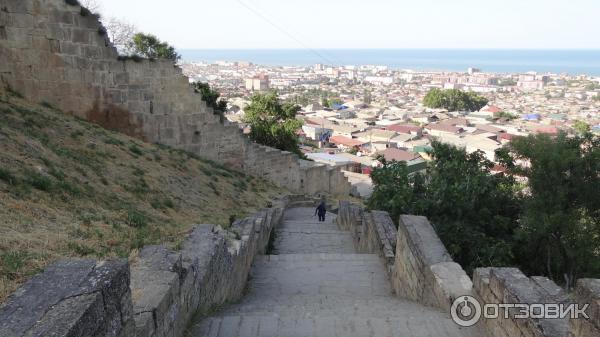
423	269
72	298
373	232
418	264
56	53
587	291
510	285
156	295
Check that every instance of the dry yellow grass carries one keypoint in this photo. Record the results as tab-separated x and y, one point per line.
71	188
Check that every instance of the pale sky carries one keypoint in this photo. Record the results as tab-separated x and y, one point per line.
271	24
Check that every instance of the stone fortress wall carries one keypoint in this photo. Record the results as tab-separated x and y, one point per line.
59	54
421	269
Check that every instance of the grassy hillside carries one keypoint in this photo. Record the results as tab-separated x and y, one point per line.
71	188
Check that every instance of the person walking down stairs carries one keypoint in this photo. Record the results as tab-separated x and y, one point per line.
321	211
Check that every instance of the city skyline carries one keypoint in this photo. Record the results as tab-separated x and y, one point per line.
431	24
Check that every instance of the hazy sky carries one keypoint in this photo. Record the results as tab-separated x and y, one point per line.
241	24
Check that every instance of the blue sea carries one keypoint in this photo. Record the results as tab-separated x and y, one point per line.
574	62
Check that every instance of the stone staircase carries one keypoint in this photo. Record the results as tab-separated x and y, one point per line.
316	285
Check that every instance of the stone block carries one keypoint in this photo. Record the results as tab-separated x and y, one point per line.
72	297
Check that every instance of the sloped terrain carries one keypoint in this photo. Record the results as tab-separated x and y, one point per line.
71	188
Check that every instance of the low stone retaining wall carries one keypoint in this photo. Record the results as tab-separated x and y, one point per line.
155	296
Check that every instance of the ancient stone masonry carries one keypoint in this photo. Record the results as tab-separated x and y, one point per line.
56	53
587	292
418	264
72	298
422	270
510	285
85	298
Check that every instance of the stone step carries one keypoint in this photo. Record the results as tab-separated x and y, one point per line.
326	326
309	222
284	258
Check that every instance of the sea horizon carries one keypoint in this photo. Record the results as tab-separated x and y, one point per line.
492	60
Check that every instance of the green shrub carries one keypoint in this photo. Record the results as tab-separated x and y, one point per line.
7	176
76	134
85	12
113	141
12	263
47	105
136	219
81	249
38	181
136	150
13	92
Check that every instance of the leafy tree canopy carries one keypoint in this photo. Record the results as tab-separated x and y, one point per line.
474	212
272	123
581	127
151	47
454	100
559	234
210	96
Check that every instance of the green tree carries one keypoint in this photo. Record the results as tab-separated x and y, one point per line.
454	100
560	228
211	97
151	47
474	213
506	115
581	127
272	123
394	190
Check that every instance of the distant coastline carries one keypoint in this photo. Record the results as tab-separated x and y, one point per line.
573	62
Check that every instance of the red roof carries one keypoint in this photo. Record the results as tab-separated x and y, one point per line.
491	108
507	136
551	130
403	128
346	141
399	155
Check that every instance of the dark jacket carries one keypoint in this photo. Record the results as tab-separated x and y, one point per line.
321	210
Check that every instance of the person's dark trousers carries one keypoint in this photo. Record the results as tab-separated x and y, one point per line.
321	217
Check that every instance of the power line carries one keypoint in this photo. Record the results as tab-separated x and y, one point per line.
281	30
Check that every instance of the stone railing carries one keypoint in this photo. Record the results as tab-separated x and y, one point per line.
156	295
418	264
421	269
510	285
373	232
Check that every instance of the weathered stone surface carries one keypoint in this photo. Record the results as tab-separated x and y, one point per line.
587	291
72	298
320	289
510	285
65	62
